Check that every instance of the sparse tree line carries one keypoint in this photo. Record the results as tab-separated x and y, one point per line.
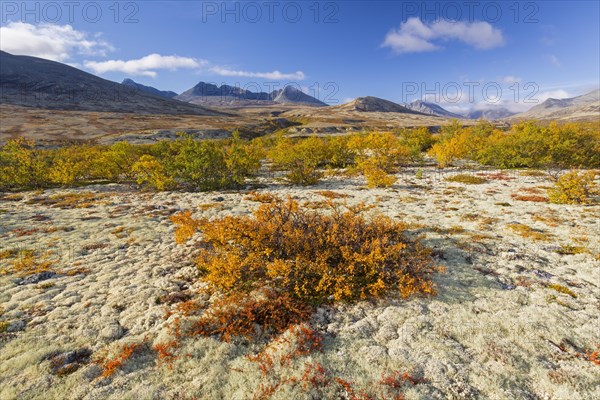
188	164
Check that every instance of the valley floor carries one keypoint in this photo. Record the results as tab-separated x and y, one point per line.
516	315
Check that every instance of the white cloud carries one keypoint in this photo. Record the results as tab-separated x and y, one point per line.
63	42
274	75
510	79
415	36
50	41
555	94
144	66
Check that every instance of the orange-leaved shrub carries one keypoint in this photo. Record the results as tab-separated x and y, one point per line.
239	314
316	257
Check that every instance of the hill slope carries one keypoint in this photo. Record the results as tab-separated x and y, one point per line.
375	104
582	107
39	83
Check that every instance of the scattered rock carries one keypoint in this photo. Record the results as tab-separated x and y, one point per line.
16	326
542	274
69	362
175	297
35	278
112	332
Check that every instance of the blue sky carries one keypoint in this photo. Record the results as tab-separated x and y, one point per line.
347	49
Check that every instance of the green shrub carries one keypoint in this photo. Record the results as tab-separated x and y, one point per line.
525	145
417	141
21	166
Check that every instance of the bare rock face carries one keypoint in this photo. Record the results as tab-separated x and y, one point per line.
36	82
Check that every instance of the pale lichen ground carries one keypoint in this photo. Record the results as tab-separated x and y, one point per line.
496	329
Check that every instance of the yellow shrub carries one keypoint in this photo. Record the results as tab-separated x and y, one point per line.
386	148
63	172
186	226
375	174
151	172
574	187
316	258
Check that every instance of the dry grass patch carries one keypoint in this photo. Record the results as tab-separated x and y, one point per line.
548	218
528	232
70	200
467	179
330	194
533	172
26	262
529	197
562	289
260	197
572	250
499	176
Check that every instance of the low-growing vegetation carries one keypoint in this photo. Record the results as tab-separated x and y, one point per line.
189	164
274	266
525	145
468	179
574	187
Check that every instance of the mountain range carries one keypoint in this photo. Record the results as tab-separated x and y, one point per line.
225	95
39	83
149	89
431	109
575	108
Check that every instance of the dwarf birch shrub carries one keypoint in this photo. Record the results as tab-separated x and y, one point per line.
526	145
22	166
574	187
316	258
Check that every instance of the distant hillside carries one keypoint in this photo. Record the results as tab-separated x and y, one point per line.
582	107
490	114
36	82
431	109
226	95
149	89
375	104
